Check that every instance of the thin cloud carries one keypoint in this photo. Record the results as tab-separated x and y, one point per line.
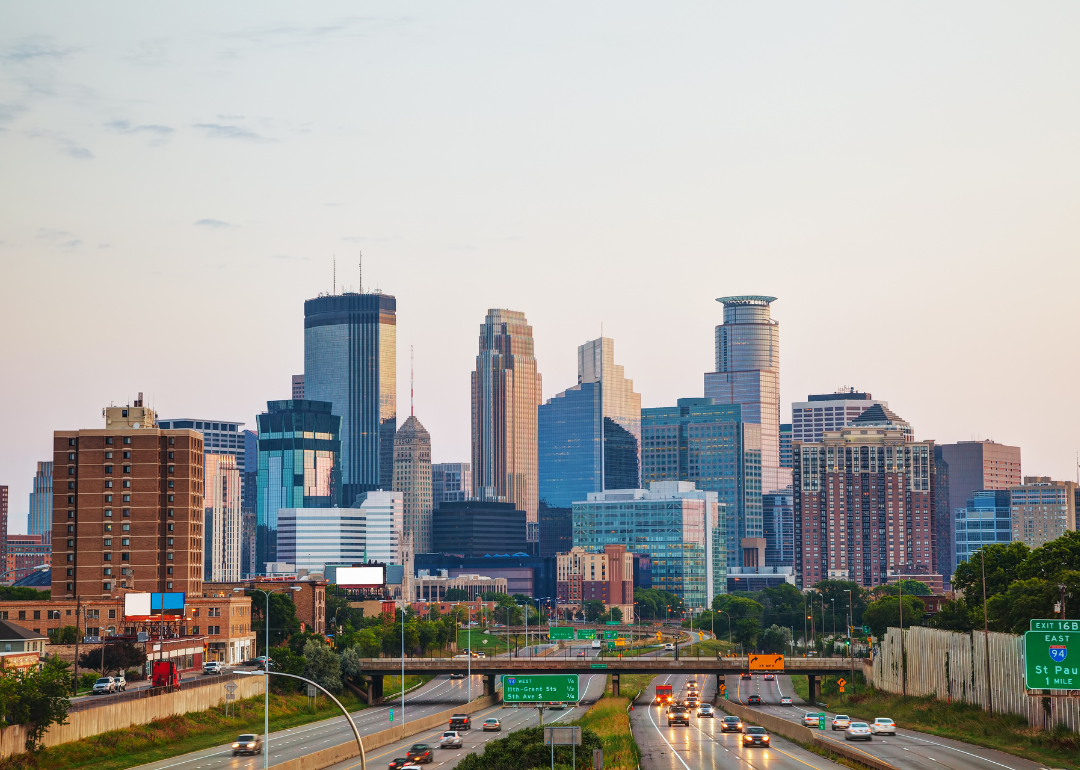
223	131
213	224
63	144
126	127
61	238
35	49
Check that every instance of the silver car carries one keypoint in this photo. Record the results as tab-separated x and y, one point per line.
858	731
883	726
451	739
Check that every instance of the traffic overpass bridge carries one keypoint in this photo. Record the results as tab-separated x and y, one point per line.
491	668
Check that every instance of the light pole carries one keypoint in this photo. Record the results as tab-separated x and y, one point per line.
986	634
850	649
725	612
266	668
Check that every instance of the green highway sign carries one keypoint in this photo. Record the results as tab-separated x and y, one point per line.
611	634
539	688
585	633
391	715
1048	665
598	665
614	623
1055	625
560	632
611	645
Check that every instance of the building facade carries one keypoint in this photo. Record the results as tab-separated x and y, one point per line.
412	477
827	411
1042	510
3	518
864	506
506	389
433	588
985	520
450	483
778	515
299	449
556	529
748	373
480	528
25	553
677	525
785	444
606	577
298	387
311	538
221	517
350	361
529	575
40	520
384	525
127	507
710	445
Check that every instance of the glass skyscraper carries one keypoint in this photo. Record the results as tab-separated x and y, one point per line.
41	515
350	360
709	444
986	519
778	513
299	466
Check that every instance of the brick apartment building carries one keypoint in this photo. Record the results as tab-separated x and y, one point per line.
24	553
606	577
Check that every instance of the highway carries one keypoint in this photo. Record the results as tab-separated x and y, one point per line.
908	749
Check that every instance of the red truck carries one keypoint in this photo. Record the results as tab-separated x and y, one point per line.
663	694
164	674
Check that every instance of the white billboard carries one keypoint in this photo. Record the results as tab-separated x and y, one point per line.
360	576
136	605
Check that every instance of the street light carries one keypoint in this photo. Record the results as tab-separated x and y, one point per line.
266	667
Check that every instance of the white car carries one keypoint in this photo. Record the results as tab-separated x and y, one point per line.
858	731
451	739
841	722
883	726
104	686
213	667
669	647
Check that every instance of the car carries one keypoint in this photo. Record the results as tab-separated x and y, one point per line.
248	743
745	675
810	719
120	682
755	736
457	676
451	739
785	701
858	731
731	725
213	667
104	686
480	655
753	700
770	677
669	647
705	710
460	722
883	726
556	705
420	753
262	663
398	763
461	655
691	702
678	716
581	653
596	644
491	725
841	722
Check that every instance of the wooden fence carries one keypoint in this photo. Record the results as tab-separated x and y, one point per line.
952	666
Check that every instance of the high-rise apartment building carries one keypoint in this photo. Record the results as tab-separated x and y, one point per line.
748	373
412	477
221	518
219	438
785	444
298	387
127	507
40	519
710	445
778	516
606	577
506	389
828	411
674	523
985	520
311	538
973	466
1042	510
864	500
384	525
299	466
589	436
450	483
3	518
350	360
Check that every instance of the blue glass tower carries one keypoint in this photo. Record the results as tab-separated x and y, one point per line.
299	466
350	360
986	519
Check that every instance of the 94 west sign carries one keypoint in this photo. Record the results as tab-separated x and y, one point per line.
1052	655
540	688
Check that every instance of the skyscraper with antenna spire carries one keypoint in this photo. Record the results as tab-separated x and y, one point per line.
412	475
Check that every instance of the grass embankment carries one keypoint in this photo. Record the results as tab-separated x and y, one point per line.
960	721
609	719
177	735
392	684
707	648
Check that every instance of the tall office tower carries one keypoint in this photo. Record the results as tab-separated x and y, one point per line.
672	522
864	506
785	445
506	390
778	514
221	518
311	538
298	387
412	477
299	466
350	360
127	507
748	373
710	445
556	529
828	411
986	519
450	483
384	524
220	438
1042	510
40	520
974	466
3	519
589	436
249	502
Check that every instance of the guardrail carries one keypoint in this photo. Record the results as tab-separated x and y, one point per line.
98	701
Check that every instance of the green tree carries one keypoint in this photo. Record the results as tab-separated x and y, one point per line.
747	630
1013	610
737	606
776	640
525	748
1050	559
885	613
283	620
119	656
784	606
910	587
63	635
350	663
956	616
427	634
23	594
836	590
369	643
593	610
37	699
322	665
1003	565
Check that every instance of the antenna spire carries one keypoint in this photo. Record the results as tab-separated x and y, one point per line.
361	266
412	377
335	275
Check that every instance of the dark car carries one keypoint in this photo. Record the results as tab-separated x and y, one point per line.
420	752
460	722
678	716
754	700
755	736
745	675
398	763
731	725
247	743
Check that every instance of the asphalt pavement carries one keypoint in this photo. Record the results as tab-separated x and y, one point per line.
907	749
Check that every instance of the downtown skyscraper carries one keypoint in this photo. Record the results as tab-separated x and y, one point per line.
412	477
506	388
350	360
748	373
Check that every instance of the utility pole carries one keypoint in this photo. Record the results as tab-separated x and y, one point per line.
986	635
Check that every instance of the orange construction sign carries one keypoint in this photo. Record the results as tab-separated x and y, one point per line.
766	662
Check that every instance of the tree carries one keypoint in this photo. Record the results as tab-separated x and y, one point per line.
525	748
837	590
63	635
776	640
746	630
322	665
119	656
1003	564
287	662
885	613
456	595
593	610
1050	559
37	699
1013	610
910	588
369	643
956	616
283	620
737	606
23	594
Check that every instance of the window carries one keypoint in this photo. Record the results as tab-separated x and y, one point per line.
125	541
168	584
71	442
108	512
125	527
127	439
125	557
70	573
71	527
170	510
127	512
169	556
107	556
127	485
127	456
172	455
108	469
168	570
108	527
107	587
170	526
71	470
170	541
108	570
112	614
22	616
71	485
70	586
171	483
108	541
172	469
127	498
108	484
171	500
71	499
37	614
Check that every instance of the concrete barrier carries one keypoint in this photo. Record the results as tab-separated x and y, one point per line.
804	735
343	751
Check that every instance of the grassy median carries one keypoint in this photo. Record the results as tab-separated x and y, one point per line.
609	719
176	735
966	722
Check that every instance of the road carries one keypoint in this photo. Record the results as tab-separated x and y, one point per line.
908	749
702	745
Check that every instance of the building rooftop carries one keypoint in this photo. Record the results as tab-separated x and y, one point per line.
10	631
876	415
747	299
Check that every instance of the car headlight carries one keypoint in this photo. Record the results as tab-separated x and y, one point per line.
251	745
236	745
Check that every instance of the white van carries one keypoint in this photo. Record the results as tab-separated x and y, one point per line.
596	644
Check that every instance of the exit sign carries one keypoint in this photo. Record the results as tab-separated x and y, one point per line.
1052	660
539	688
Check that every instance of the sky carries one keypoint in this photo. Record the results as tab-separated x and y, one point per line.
175	180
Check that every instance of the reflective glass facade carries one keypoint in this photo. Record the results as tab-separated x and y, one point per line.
221	518
986	519
350	360
312	538
778	514
299	449
41	515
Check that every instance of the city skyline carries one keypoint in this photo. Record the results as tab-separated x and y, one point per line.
534	196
